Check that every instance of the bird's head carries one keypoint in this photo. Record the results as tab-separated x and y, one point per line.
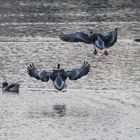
90	32
4	84
116	29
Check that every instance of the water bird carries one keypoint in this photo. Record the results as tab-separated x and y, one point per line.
58	76
14	87
98	40
137	40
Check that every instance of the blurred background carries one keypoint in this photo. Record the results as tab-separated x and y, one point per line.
46	18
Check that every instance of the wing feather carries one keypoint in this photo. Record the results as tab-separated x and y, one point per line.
75	37
78	73
111	38
39	75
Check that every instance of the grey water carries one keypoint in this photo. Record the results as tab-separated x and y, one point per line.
104	105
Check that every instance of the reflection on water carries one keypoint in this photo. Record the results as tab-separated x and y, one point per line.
60	110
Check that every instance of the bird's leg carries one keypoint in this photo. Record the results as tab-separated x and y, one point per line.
95	51
106	53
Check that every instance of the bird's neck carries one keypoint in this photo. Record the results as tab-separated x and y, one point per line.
58	66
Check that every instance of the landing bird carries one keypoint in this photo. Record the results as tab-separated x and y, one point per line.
98	40
58	76
14	87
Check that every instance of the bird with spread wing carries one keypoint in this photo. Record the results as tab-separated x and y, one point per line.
98	40
58	76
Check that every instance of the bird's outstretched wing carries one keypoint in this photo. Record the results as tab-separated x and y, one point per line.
75	37
78	73
111	38
39	75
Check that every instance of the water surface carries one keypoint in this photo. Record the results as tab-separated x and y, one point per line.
105	104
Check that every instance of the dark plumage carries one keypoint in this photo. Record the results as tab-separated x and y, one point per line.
78	73
111	38
10	88
39	75
58	76
76	37
99	40
137	40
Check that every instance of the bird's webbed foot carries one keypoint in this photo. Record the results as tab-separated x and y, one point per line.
106	53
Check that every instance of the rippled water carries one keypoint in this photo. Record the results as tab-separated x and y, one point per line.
104	105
